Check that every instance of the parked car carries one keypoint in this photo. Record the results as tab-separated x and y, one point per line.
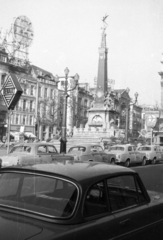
107	142
76	201
128	155
91	152
32	153
153	153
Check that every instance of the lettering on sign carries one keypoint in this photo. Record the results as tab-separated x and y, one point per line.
8	90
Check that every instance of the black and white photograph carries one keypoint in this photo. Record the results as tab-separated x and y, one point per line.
81	120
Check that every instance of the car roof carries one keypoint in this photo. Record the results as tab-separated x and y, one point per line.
33	144
86	145
121	145
78	171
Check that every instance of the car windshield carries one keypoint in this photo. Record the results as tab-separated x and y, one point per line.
43	195
77	150
116	148
25	149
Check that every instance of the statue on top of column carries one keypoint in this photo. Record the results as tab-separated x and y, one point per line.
103	42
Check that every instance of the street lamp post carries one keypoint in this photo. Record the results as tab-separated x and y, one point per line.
127	115
63	139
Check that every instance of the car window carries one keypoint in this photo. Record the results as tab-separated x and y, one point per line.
99	148
52	149
129	148
118	148
144	149
40	194
42	149
26	149
95	202
94	149
77	150
124	191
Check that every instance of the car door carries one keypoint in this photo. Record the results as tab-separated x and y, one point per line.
130	206
158	153
43	153
95	153
99	222
139	156
52	151
132	154
102	154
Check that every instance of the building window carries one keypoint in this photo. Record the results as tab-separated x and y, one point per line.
32	90
31	106
25	89
51	93
39	91
3	58
45	93
24	119
3	79
17	106
30	120
24	105
17	119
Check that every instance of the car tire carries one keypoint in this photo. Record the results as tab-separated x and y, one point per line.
154	161
112	161
127	163
144	162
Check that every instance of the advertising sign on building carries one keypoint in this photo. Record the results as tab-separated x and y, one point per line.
11	91
151	121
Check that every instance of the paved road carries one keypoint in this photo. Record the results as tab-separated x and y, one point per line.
152	176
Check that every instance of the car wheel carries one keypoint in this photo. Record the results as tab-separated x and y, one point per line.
127	163
154	161
112	161
144	162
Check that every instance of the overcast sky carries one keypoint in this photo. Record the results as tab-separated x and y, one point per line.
67	33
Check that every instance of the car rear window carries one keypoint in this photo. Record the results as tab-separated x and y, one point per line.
43	195
26	149
117	148
144	149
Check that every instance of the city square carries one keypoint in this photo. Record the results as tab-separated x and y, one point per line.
81	119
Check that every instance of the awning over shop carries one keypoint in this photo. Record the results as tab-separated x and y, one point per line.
29	135
14	134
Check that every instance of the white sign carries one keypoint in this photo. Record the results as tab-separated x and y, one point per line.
22	129
151	120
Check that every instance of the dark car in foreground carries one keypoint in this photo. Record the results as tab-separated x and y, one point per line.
77	201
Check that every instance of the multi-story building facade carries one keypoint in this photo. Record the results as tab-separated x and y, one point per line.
4	69
35	111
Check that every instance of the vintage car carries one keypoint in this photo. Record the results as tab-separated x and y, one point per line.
127	155
153	153
32	152
91	152
75	201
